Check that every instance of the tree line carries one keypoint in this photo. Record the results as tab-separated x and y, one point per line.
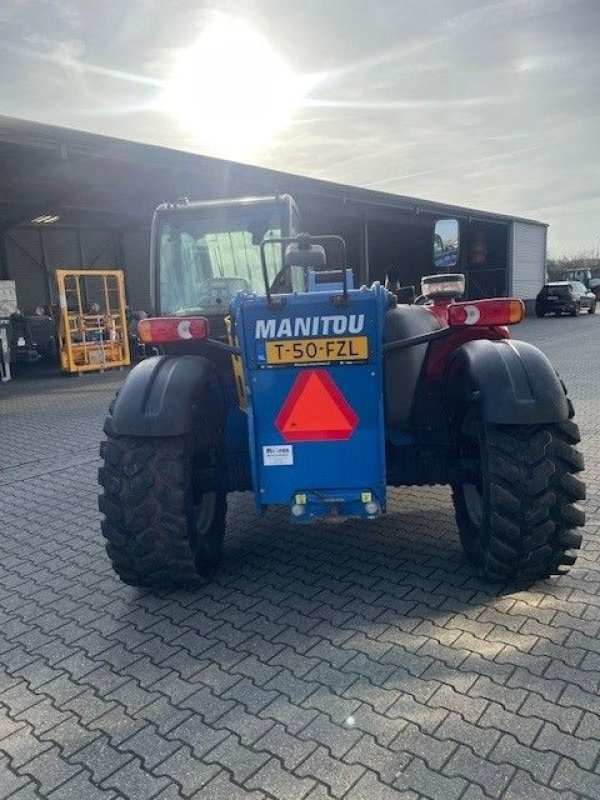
558	266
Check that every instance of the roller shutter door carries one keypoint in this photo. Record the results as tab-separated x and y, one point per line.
528	259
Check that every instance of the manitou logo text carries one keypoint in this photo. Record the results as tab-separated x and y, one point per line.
334	325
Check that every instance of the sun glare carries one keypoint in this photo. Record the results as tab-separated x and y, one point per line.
231	90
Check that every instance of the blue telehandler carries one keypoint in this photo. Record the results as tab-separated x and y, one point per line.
277	375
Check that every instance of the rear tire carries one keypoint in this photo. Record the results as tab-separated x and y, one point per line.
160	529
517	523
540	314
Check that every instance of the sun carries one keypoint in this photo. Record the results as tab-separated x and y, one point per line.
231	90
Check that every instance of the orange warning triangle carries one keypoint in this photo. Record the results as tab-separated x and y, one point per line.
316	410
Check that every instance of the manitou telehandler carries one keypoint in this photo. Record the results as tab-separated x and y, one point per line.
280	377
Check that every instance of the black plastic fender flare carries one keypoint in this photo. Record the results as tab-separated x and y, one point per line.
170	396
511	382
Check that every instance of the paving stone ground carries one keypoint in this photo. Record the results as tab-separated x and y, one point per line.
346	661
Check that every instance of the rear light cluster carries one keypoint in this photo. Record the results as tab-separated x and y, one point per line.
161	330
505	311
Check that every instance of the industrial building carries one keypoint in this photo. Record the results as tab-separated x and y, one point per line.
73	200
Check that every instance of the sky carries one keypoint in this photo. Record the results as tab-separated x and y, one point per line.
494	105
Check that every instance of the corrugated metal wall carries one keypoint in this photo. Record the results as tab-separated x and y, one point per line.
136	251
28	250
25	260
528	259
99	250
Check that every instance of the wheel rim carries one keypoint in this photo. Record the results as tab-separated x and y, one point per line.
473	503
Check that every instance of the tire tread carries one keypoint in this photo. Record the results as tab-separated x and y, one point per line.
533	496
146	504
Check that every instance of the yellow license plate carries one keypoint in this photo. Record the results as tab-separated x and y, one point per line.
306	351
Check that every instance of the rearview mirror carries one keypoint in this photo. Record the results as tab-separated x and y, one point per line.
446	245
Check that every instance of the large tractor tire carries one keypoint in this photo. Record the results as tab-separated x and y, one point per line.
517	522
161	530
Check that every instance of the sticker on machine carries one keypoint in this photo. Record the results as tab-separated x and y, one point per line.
278	455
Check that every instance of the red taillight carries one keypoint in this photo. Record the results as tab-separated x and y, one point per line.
505	311
160	330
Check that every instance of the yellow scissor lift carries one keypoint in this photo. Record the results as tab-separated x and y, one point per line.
92	338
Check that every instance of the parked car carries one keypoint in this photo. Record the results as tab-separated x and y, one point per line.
564	297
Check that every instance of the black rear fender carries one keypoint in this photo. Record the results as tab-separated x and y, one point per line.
511	382
403	368
171	396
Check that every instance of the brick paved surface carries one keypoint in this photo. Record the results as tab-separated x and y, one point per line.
325	662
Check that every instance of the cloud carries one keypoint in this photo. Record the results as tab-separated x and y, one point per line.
68	54
484	104
459	165
402	105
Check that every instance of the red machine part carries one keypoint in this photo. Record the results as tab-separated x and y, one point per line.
441	350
